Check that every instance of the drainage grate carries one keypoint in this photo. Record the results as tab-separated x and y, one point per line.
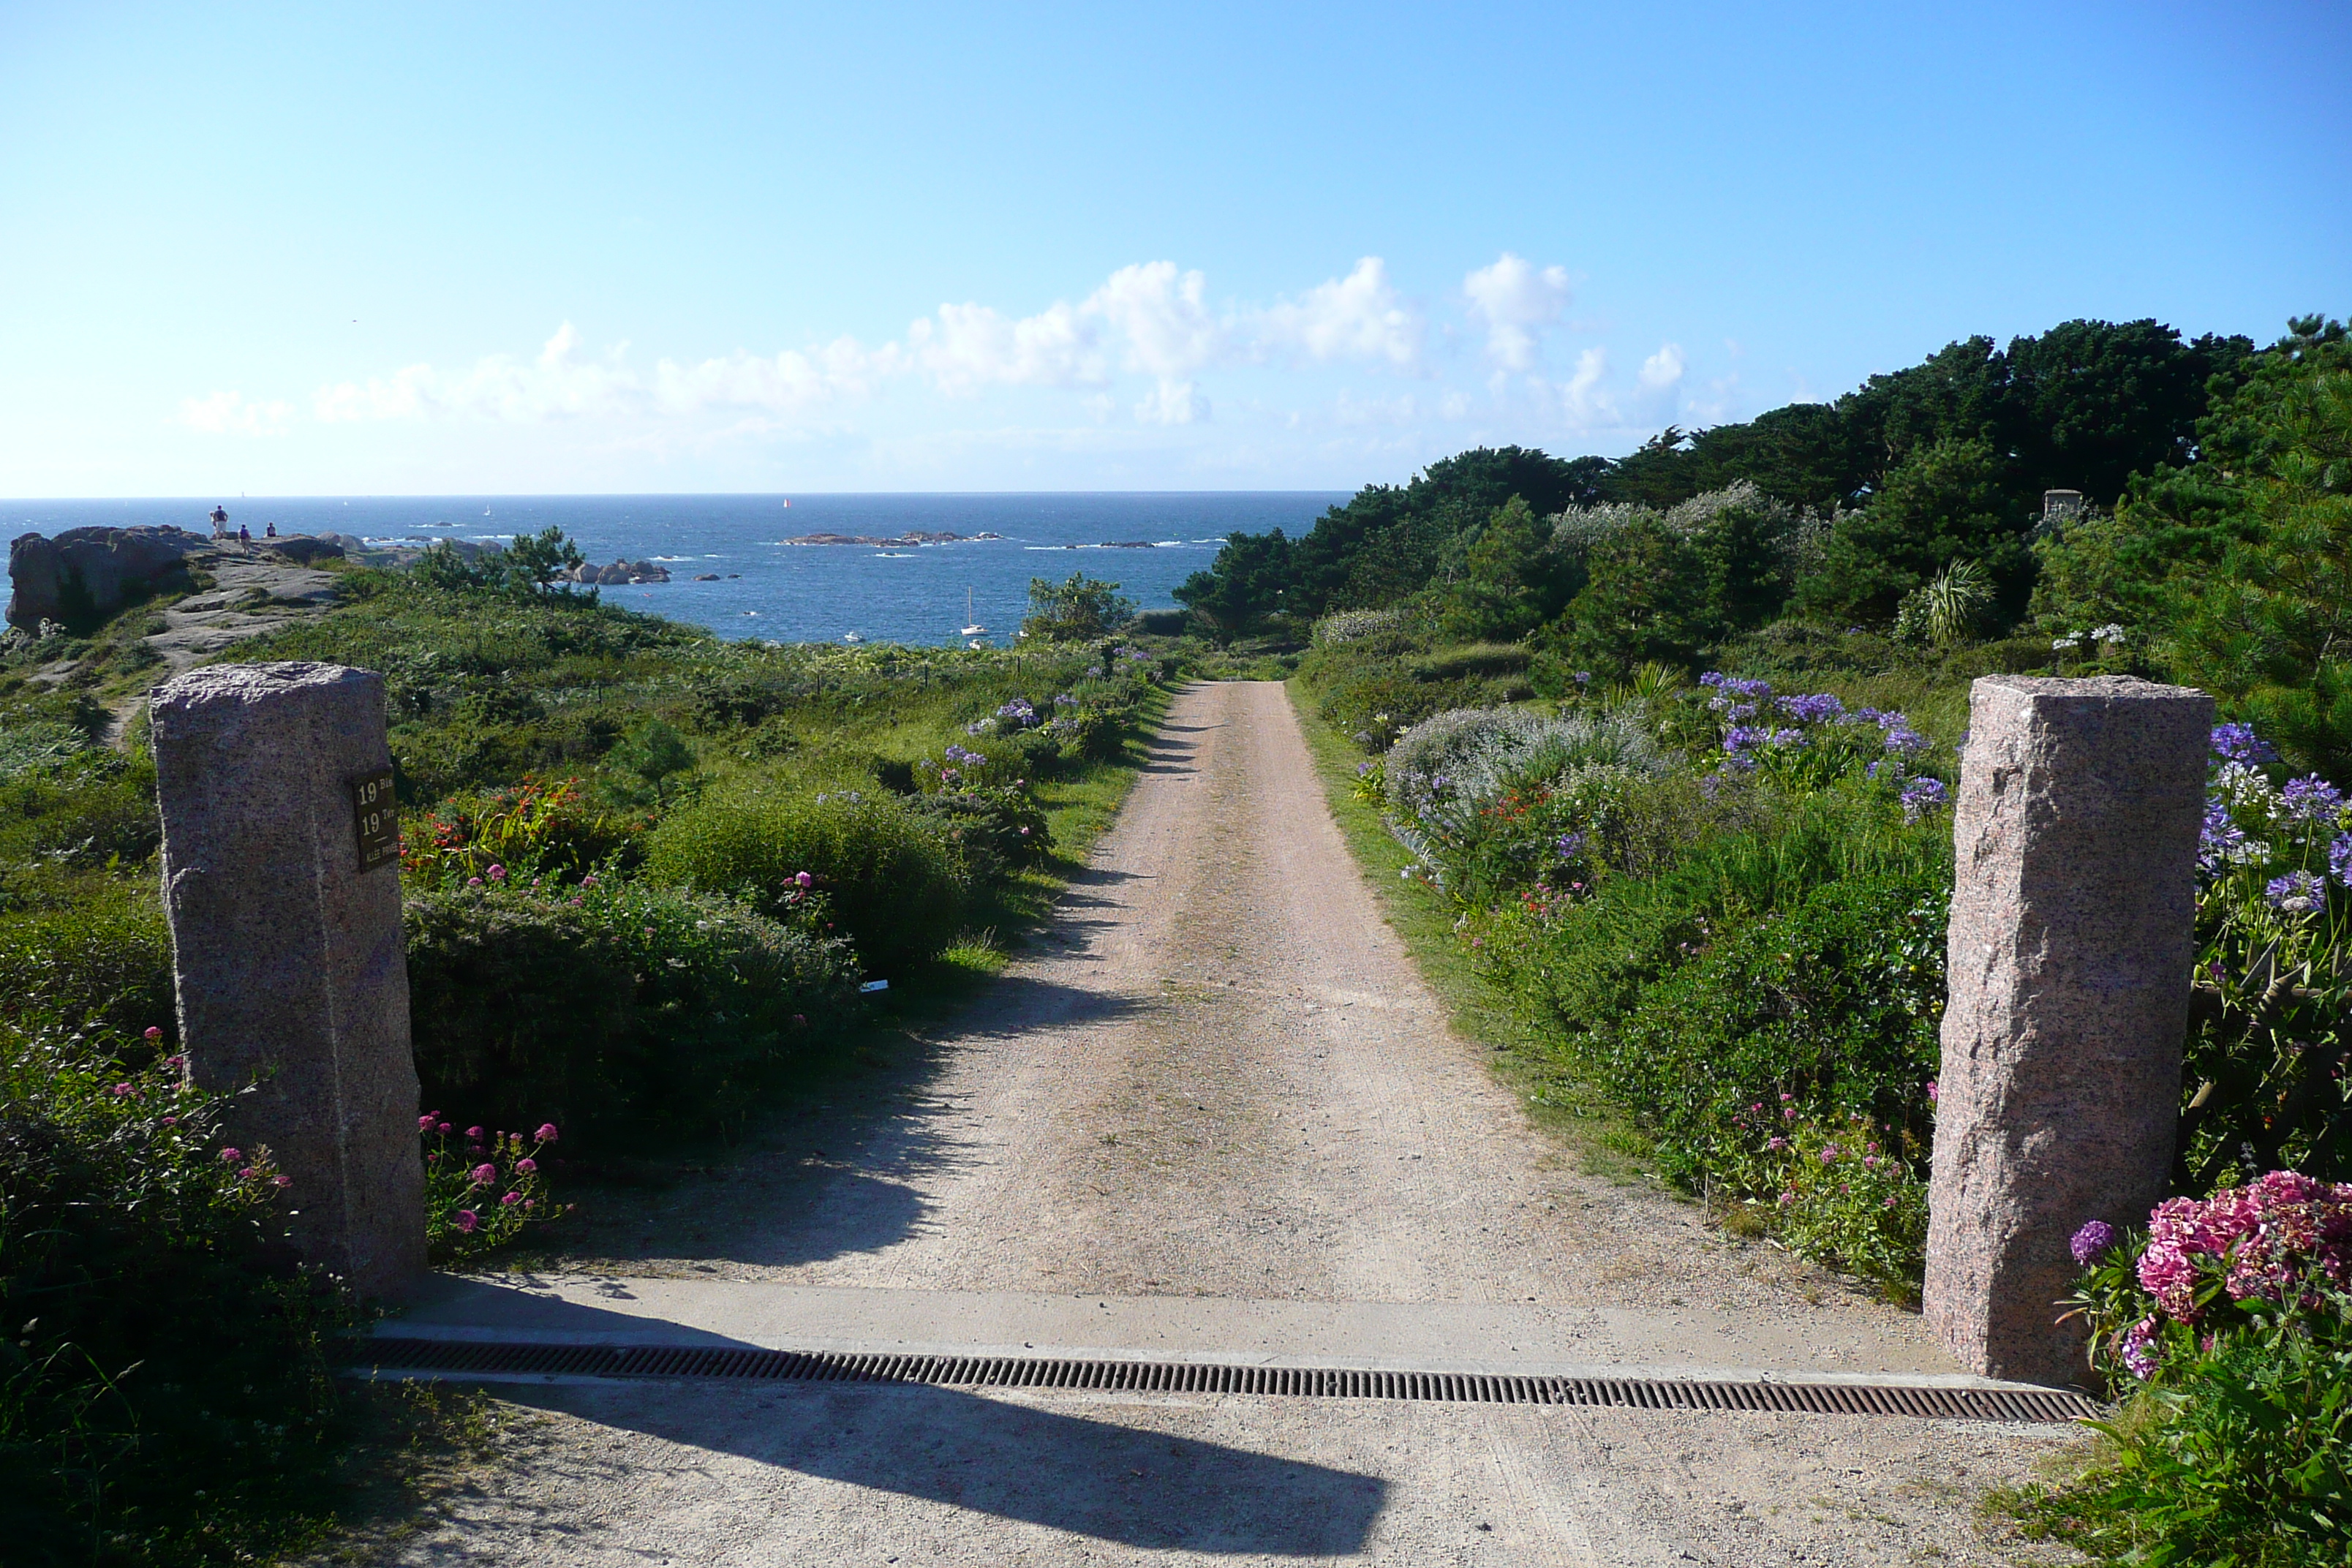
456	1359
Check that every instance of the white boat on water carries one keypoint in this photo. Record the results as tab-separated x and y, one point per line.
975	629
851	637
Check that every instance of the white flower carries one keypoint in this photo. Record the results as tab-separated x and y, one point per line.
2060	644
2108	632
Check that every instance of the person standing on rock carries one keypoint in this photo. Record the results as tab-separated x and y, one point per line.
220	520
244	534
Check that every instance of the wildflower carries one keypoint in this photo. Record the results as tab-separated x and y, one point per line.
1789	1113
1904	740
2238	743
425	1122
2221	841
475	1133
245	1172
588	881
1920	797
802	879
2137	1356
1819	708
121	1089
1584	678
1786	1098
154	1033
2111	631
1775	1144
443	1127
2296	893
2059	645
526	1165
1830	1152
511	1199
2311	799
171	1122
2091	1243
1931	1091
1787	1198
546	1133
484	1173
231	1156
473	881
281	1181
498	873
468	1221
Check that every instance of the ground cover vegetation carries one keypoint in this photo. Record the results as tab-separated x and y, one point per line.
1671	739
646	873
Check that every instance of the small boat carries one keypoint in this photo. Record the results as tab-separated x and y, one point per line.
975	629
851	637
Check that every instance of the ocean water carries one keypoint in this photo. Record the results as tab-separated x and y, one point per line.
787	592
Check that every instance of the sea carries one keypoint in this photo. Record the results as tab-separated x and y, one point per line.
1148	543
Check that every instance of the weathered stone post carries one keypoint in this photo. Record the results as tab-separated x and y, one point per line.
2072	937
281	881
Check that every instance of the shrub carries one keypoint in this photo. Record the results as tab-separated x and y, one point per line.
1354	625
615	1009
897	880
484	1192
544	828
102	959
1840	1190
166	1388
1686	1008
2232	1321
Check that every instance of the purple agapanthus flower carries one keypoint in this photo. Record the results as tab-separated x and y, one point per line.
1920	797
2296	893
1740	738
2238	743
2091	1243
2311	799
2219	839
1784	739
1817	708
2339	859
1905	741
1568	846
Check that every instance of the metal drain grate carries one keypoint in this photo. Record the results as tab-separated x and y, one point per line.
458	1358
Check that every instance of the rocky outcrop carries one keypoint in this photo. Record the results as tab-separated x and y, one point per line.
83	575
619	574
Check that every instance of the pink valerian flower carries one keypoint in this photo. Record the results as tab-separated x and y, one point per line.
526	1166
1776	1143
122	1090
231	1156
153	1033
475	1133
511	1198
546	1133
425	1122
468	1221
484	1173
281	1181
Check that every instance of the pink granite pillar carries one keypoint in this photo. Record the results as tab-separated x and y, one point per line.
2072	938
281	881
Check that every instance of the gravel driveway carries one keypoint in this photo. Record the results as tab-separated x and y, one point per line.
1218	1113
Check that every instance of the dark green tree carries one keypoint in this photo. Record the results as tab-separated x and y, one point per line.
1646	599
538	559
1079	610
1950	502
1506	586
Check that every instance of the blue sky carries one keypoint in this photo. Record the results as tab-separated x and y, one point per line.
520	249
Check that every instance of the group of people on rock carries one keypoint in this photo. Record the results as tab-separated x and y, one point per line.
242	535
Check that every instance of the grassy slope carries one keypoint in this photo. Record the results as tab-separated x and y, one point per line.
1424	917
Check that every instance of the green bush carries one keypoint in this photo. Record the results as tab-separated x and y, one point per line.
104	958
610	1009
896	878
167	1387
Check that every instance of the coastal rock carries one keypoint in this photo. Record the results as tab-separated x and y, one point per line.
908	541
616	574
85	574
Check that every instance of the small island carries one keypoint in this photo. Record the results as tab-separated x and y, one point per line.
907	540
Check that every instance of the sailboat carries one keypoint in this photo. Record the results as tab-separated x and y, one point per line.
975	629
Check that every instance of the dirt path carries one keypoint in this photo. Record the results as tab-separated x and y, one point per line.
1219	1114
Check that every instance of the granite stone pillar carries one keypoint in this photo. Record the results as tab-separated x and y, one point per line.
281	881
2072	938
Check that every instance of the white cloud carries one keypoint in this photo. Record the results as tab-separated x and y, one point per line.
1359	316
1662	372
228	414
1584	403
554	386
1516	302
1164	316
1173	402
791	382
973	346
